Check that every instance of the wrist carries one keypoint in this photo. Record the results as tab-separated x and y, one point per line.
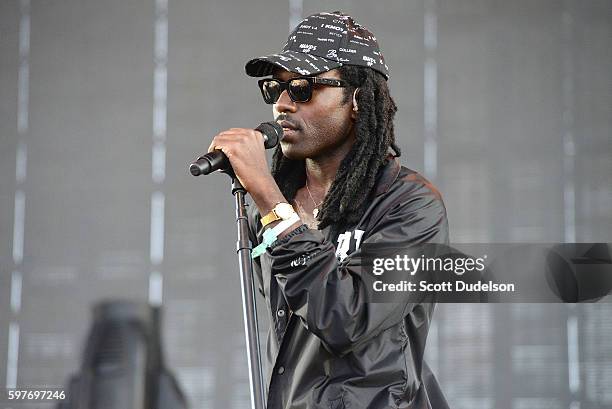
267	195
273	234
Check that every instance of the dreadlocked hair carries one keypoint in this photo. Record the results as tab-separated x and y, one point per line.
348	195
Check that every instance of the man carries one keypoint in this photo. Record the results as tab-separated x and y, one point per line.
334	186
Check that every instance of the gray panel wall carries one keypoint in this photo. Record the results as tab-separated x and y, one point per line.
9	66
504	105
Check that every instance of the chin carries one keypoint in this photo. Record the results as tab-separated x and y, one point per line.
293	152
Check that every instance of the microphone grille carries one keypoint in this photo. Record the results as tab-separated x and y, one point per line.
272	132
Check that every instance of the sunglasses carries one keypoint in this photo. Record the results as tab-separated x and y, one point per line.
299	88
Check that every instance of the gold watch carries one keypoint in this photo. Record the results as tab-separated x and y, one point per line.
280	211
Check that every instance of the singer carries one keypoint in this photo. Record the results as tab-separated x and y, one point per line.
335	184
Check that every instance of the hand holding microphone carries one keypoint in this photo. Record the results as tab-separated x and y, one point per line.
217	159
242	150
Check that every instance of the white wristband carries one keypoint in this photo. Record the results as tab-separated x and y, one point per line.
271	235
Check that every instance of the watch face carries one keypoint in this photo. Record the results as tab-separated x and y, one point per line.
284	210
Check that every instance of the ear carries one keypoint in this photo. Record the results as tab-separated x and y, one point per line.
355	106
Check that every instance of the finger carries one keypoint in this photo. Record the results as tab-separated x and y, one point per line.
234	136
240	133
212	146
218	142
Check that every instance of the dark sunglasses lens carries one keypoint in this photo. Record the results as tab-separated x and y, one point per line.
271	91
300	90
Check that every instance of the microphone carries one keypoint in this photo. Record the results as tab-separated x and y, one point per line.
216	160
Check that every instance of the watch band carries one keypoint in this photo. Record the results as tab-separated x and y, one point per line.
269	218
281	210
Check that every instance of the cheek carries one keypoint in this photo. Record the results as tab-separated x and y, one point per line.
331	125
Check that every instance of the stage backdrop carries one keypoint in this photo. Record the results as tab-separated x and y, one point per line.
504	105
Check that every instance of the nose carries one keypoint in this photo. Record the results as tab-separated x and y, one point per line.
284	103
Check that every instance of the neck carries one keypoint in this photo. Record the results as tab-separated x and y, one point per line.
321	174
321	170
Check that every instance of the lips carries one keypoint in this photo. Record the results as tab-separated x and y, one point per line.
288	125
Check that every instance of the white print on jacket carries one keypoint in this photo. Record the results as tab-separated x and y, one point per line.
344	243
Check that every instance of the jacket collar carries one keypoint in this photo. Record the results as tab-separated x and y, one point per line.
388	175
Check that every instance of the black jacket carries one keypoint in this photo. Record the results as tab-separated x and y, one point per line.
327	348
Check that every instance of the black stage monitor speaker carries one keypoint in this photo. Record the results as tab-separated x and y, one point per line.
122	366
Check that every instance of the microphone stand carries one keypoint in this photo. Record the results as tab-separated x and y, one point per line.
249	308
272	132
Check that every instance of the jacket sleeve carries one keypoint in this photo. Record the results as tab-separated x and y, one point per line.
330	296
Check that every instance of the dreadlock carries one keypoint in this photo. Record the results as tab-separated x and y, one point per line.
347	197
